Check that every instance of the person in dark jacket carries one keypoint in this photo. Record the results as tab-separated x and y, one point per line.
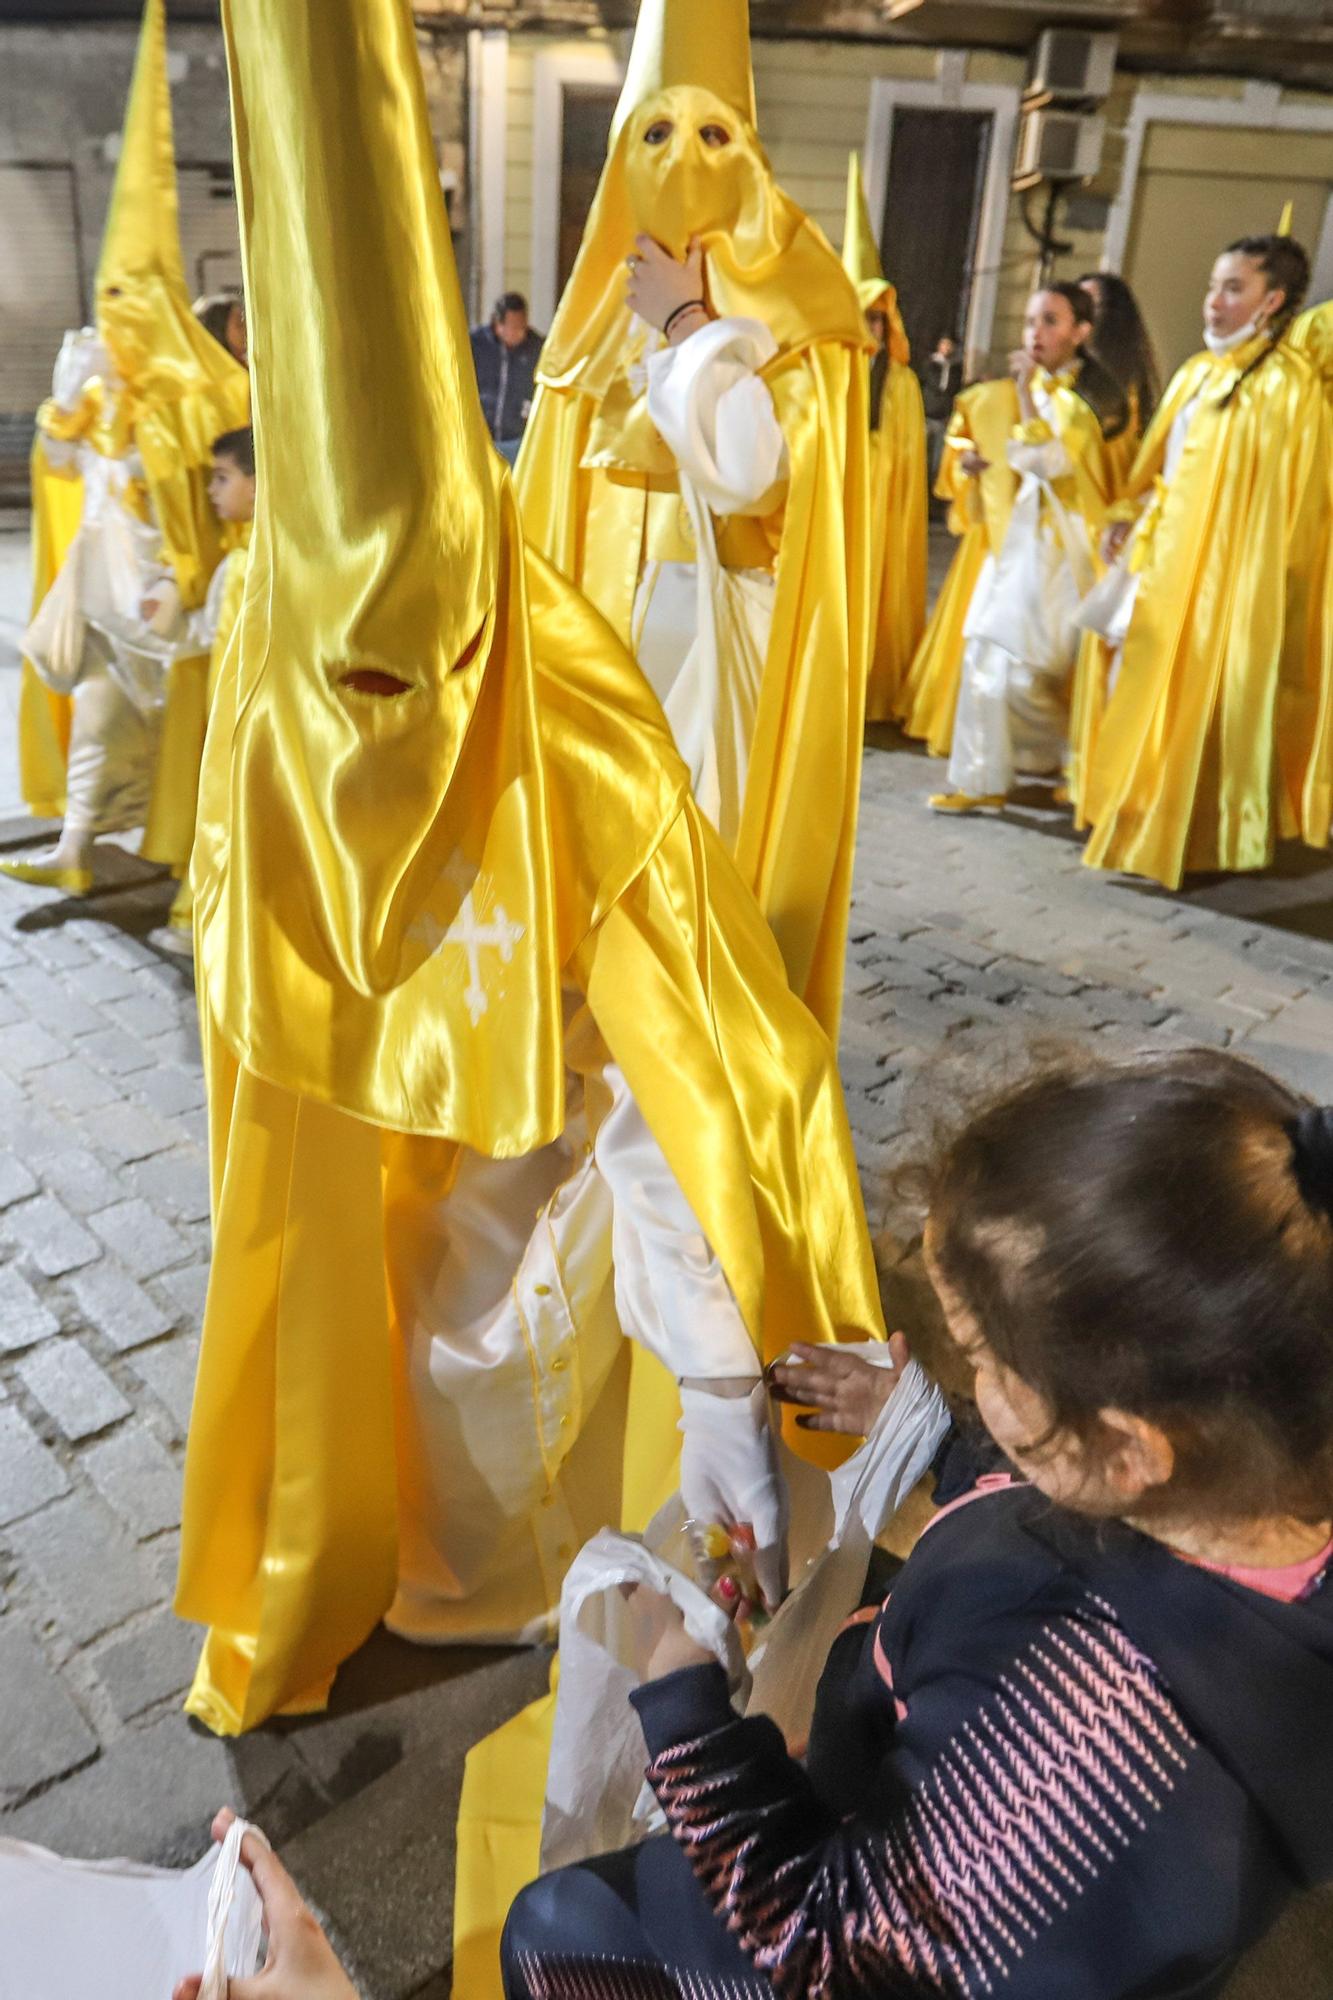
1084	1747
941	379
505	354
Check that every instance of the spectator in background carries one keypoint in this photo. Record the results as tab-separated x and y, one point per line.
941	379
223	315
505	357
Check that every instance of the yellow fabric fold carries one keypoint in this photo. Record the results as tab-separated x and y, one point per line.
1218	740
898	504
899	528
1312	335
44	717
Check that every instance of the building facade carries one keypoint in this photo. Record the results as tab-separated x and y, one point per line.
1213	122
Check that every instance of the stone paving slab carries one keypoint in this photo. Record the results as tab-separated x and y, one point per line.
969	940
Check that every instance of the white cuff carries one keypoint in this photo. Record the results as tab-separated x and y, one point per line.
717	417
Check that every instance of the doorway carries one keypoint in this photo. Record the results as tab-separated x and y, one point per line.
932	218
585	130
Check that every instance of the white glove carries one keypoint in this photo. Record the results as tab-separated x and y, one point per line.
729	1473
81	357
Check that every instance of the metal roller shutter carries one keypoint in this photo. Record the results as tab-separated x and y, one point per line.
41	291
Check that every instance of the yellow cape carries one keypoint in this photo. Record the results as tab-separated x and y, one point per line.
1312	335
44	717
1218	740
898	507
421	723
898	539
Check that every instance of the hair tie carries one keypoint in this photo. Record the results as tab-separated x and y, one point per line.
1312	1156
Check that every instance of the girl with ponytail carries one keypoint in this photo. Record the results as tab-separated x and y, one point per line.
1062	410
1218	736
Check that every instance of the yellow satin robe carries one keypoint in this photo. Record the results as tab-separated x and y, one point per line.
44	716
1093	666
1218	740
898	532
982	420
1312	335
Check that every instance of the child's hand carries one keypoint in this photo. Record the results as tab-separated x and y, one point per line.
301	1964
149	609
842	1392
974	464
660	1628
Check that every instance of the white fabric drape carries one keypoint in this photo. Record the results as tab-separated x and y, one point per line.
513	1332
701	631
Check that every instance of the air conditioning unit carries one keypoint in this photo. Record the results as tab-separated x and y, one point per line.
1058	146
1070	67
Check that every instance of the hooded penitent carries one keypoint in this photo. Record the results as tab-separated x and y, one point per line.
173	390
898	517
598	485
439	809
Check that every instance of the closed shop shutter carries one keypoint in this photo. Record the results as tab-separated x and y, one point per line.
40	291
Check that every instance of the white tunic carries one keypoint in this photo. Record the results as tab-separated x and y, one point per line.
1022	641
89	638
701	631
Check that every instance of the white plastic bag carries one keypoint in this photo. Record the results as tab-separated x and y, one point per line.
119	1931
595	1798
56	639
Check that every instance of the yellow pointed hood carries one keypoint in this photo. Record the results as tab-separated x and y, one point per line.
861	261
143	304
683	42
382	909
689	68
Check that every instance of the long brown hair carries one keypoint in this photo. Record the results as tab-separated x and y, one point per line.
1156	1236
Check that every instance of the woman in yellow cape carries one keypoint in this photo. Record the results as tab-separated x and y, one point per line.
976	479
1217	740
704	479
121	464
467	953
898	521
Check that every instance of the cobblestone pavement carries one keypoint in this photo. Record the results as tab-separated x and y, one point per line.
978	934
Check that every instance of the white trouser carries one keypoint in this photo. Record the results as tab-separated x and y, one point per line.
513	1331
711	705
112	753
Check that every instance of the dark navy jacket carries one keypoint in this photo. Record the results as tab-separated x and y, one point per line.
505	378
1059	1764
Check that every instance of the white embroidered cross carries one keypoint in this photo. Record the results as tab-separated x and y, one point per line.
500	932
474	934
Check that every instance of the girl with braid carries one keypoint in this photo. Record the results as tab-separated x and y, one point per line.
1082	1749
1020	638
1217	740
